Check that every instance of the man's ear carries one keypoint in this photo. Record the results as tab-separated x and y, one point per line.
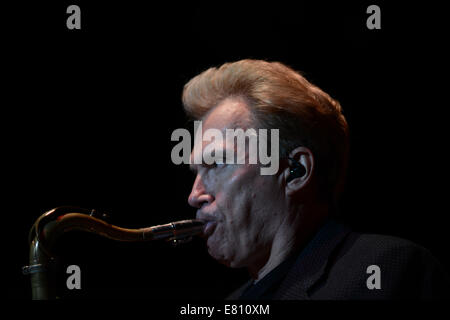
296	177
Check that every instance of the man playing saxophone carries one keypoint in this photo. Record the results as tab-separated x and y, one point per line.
282	227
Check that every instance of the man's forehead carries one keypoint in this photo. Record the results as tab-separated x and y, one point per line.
231	113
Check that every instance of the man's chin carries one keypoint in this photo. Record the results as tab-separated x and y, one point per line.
216	256
223	259
219	257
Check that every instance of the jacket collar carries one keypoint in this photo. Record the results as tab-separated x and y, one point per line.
310	264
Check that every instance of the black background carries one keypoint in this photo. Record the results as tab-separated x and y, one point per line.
88	114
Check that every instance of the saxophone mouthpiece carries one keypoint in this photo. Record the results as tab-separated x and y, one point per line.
179	230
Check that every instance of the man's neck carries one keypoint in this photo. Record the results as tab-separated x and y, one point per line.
291	236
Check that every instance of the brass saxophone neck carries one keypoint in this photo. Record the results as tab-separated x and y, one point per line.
52	224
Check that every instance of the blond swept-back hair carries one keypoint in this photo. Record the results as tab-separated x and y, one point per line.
280	98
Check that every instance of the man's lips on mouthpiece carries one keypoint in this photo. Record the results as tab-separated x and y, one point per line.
210	221
209	228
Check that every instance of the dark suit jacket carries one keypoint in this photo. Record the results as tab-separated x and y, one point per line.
333	266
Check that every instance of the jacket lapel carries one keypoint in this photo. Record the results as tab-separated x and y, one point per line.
238	292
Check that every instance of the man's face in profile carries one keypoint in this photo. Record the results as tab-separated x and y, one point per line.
243	208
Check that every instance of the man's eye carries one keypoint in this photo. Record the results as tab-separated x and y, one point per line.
210	166
213	165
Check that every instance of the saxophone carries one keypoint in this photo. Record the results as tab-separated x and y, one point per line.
53	223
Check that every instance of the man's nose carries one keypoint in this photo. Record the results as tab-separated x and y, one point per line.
199	196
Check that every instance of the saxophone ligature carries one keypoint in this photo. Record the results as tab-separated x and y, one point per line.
53	223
